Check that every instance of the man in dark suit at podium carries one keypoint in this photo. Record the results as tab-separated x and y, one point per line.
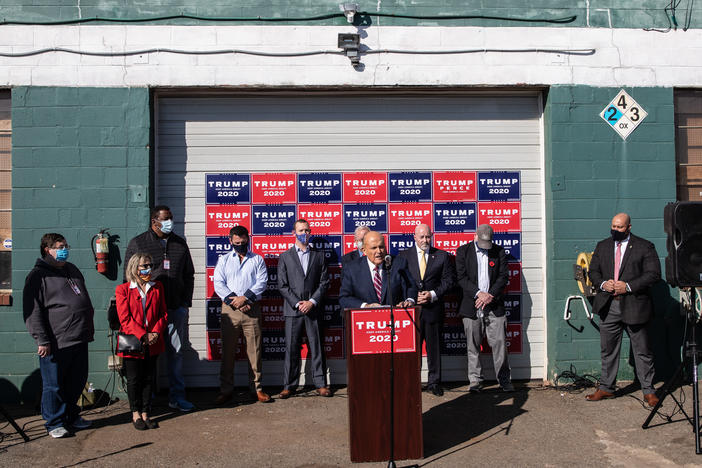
357	251
434	275
365	280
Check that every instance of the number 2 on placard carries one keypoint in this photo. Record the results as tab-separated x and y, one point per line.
612	112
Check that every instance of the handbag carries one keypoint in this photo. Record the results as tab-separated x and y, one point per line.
128	343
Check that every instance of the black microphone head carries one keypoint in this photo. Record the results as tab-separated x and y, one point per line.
388	261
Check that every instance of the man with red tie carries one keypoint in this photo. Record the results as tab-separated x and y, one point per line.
623	269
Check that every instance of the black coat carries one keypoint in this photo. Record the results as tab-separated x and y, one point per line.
357	284
640	268
467	271
440	277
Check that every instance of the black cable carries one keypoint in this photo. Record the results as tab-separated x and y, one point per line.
670	16
561	20
578	383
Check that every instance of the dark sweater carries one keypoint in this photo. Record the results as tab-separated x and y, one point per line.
179	280
53	312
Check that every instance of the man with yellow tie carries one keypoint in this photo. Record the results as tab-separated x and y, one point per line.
434	273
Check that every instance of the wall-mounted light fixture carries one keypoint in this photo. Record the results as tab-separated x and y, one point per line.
350	43
350	10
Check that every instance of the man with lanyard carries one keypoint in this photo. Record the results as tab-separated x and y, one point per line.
173	267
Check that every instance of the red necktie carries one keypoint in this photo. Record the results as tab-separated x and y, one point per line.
378	283
617	261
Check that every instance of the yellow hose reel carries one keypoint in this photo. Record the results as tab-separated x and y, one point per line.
581	269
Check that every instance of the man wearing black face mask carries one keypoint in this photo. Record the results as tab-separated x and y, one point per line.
623	269
240	278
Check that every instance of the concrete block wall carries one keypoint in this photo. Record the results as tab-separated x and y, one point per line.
80	162
592	174
590	13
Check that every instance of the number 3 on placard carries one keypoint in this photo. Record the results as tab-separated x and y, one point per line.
635	114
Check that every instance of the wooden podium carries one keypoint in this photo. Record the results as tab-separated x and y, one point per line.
368	366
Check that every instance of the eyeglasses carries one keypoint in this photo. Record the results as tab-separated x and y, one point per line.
146	265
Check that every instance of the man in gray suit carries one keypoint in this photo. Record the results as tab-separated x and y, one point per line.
302	281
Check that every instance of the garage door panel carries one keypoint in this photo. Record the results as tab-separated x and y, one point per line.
481	132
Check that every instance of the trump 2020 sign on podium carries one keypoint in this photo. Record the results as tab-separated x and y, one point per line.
368	371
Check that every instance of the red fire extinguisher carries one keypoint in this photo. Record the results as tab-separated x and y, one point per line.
100	250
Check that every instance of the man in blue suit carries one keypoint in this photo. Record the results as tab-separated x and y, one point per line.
365	280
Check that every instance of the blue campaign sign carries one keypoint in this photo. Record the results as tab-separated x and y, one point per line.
511	242
400	242
216	247
227	188
273	219
498	186
272	284
315	187
455	217
513	308
375	216
409	186
332	315
214	314
330	245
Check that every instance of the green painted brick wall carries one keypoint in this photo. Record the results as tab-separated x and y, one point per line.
75	153
592	13
592	174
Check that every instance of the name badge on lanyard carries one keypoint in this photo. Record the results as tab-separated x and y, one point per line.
166	264
74	287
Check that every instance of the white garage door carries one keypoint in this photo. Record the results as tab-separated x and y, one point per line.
477	132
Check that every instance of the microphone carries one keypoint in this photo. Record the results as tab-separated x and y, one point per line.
387	261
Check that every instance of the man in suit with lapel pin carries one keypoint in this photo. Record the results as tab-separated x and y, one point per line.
623	269
302	281
482	272
366	281
434	275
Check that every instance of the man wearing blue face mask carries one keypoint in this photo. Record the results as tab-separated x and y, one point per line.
59	316
623	269
173	267
240	278
302	281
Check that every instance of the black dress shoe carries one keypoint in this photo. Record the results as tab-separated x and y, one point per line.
140	425
436	390
150	424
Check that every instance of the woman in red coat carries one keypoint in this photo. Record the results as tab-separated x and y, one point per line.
141	307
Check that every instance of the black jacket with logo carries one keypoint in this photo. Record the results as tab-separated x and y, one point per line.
53	312
178	281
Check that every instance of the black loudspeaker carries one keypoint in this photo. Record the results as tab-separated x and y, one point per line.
683	224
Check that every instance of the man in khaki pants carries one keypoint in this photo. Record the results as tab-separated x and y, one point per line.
240	278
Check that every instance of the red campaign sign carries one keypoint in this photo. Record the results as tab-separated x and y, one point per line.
515	277
404	217
334	272
370	333
272	317
274	188
451	241
365	187
214	345
334	343
349	244
514	340
454	186
451	317
219	219
210	283
502	216
323	218
271	246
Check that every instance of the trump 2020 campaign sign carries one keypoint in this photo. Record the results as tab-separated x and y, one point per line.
452	203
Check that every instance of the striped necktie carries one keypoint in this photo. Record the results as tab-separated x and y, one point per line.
378	283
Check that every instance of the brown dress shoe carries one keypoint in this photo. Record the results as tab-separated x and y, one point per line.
324	391
599	395
285	394
263	397
222	398
651	399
